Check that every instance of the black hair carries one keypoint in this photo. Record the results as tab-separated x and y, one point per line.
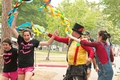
7	40
105	35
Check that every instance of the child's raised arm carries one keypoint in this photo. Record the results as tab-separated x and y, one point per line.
13	29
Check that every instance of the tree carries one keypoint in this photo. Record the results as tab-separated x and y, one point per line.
112	9
6	33
77	11
28	12
0	9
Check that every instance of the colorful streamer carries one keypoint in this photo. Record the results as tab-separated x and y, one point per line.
27	25
26	1
38	29
30	26
56	13
24	26
10	16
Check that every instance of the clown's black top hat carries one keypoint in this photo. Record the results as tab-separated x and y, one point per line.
78	28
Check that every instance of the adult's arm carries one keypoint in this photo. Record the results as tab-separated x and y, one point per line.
90	44
46	43
89	50
60	39
111	55
95	64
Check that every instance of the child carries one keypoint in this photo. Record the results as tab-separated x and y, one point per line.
26	51
10	61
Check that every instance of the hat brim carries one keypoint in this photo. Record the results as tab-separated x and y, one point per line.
77	31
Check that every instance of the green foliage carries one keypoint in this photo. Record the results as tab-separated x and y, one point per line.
29	12
88	14
78	11
104	24
112	10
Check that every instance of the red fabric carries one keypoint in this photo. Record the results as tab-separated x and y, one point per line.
66	41
75	56
60	39
100	50
81	29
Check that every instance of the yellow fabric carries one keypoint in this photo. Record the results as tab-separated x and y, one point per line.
81	55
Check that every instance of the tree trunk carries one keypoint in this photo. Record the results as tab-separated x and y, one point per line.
5	32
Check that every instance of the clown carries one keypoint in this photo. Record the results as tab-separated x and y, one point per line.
77	54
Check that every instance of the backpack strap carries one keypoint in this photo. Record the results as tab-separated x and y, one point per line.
107	48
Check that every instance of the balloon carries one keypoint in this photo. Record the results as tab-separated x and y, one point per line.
24	26
26	1
30	26
47	1
38	29
10	16
27	25
56	13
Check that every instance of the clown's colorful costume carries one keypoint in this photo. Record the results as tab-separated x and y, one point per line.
77	56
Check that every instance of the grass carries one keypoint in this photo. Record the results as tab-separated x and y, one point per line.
55	57
51	52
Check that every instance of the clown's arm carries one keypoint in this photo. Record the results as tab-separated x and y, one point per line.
60	39
76	39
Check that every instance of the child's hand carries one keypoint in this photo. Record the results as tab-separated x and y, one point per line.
97	69
113	64
55	33
88	61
